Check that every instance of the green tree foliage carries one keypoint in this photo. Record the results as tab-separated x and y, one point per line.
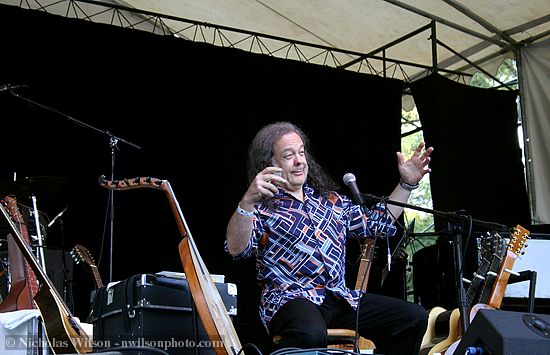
422	196
506	73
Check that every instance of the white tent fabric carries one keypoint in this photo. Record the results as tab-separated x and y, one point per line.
474	28
535	82
481	31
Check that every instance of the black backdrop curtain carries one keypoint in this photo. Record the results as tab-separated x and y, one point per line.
477	160
476	169
219	97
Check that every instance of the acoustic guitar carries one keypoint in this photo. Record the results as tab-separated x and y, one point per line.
64	333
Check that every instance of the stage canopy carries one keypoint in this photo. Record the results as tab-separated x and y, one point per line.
406	40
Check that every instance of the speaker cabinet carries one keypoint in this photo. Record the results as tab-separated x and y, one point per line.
506	333
59	269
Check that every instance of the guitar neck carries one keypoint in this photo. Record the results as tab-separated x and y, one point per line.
81	254
497	292
475	285
15	257
517	243
97	278
490	251
364	266
491	275
32	281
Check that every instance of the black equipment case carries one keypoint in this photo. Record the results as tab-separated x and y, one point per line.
152	311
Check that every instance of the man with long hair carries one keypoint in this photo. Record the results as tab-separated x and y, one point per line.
296	224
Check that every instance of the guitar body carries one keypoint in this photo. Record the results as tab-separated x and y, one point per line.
432	336
64	333
451	320
23	280
19	296
199	299
17	299
452	348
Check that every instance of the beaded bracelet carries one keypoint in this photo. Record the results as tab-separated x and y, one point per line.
243	212
408	186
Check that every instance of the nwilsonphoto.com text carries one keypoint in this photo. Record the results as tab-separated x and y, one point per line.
22	342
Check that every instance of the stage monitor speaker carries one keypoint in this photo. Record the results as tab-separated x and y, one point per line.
506	333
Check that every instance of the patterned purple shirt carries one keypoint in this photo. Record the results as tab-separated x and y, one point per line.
300	246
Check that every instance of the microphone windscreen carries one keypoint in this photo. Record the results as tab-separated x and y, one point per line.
349	177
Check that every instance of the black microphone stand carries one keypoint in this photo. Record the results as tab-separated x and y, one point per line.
456	224
113	141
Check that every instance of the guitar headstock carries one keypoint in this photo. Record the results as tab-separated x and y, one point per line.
11	205
518	239
490	244
133	183
80	253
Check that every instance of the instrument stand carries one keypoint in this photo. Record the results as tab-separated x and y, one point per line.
526	275
456	223
456	230
113	140
40	250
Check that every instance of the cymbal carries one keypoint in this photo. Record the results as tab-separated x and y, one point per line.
45	188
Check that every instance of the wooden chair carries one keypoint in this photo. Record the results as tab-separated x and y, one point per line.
345	338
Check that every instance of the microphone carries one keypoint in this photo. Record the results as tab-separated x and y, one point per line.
56	217
351	182
8	87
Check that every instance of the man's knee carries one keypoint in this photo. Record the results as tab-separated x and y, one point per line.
311	337
418	316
